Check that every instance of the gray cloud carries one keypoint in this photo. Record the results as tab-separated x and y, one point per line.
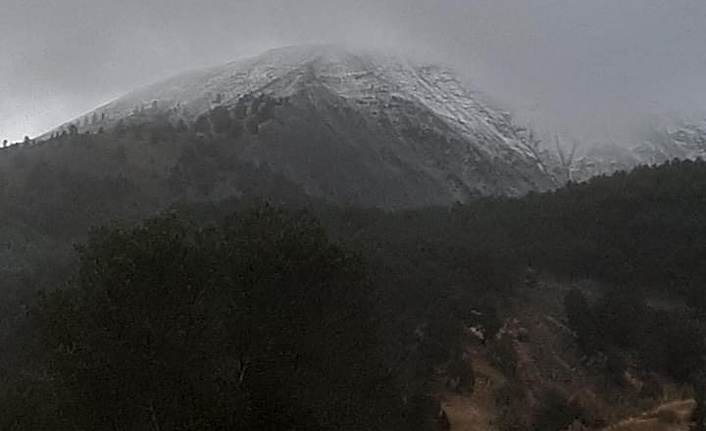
584	66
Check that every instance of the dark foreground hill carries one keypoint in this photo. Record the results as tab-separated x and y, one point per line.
580	305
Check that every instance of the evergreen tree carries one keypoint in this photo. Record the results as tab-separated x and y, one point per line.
202	125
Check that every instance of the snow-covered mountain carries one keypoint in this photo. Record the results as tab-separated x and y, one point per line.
356	127
677	139
655	144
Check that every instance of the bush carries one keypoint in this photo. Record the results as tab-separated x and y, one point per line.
556	412
581	320
513	408
668	416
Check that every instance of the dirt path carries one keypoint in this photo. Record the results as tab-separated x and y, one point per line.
477	412
672	416
465	415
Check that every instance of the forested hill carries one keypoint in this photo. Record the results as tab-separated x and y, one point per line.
643	229
164	323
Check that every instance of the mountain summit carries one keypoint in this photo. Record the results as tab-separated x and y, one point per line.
354	127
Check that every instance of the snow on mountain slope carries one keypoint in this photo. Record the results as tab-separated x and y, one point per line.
678	139
658	143
398	115
359	77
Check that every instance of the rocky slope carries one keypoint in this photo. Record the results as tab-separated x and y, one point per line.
657	144
355	127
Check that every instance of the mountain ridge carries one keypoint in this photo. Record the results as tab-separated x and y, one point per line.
414	129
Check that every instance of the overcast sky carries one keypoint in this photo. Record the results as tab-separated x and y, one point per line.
579	65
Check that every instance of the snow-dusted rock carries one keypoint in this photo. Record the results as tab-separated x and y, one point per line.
360	127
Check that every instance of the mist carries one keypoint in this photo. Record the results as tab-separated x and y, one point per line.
594	70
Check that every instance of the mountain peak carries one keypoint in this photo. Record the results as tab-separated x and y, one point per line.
380	118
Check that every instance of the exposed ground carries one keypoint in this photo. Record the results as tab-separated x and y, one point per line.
672	416
547	358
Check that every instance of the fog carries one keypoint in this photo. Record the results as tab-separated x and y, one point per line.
587	68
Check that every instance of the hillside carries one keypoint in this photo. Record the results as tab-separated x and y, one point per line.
339	121
652	144
588	302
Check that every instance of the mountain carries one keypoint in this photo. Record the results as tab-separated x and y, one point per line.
350	126
654	144
676	139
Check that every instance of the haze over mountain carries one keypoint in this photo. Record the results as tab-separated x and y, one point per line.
589	69
653	144
355	126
